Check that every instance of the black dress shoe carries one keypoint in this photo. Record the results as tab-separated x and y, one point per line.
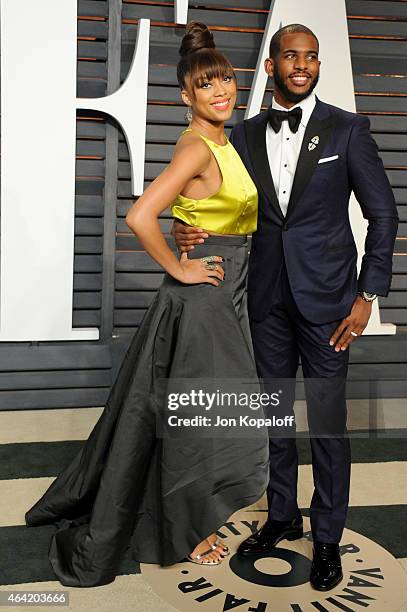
270	534
326	567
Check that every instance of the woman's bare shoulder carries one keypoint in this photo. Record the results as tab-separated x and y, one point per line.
192	149
193	143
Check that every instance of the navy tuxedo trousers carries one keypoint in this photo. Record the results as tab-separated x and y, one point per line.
279	340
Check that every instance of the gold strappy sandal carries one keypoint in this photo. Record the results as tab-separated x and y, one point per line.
197	558
225	549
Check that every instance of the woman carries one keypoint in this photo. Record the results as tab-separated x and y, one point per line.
129	486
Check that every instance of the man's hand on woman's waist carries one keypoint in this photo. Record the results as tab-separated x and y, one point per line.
186	236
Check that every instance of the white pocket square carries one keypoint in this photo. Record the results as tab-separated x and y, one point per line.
327	159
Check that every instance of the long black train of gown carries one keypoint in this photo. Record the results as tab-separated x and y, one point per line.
128	486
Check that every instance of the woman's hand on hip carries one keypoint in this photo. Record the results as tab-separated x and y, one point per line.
194	271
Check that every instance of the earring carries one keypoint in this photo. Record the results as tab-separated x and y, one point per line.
188	115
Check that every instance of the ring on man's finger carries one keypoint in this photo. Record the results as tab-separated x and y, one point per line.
354	334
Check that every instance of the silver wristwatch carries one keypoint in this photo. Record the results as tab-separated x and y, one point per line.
368	297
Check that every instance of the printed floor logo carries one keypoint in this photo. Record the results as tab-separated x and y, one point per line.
279	582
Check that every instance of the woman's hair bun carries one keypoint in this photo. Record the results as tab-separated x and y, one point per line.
197	37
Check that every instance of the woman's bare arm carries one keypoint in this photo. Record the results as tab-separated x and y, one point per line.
191	158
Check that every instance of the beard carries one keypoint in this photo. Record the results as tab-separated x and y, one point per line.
289	95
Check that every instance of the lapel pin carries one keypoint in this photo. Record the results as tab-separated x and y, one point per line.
314	141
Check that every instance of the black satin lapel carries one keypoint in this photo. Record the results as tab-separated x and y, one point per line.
308	158
256	144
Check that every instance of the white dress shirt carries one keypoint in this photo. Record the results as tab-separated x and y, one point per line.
283	149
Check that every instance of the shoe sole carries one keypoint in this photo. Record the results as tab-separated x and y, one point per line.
211	563
294	535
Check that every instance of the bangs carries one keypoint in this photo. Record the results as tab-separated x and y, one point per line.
206	65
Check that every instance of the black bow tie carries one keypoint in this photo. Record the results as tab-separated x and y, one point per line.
276	117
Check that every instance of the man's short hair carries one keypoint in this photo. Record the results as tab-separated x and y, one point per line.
292	28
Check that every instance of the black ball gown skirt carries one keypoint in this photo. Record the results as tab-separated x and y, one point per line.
129	487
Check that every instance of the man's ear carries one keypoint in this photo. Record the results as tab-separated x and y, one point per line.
269	66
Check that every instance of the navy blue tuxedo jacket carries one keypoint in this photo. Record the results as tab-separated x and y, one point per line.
315	237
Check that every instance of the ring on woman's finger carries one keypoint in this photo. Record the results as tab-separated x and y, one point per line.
209	258
211	265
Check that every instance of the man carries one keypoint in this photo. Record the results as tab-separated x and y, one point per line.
304	297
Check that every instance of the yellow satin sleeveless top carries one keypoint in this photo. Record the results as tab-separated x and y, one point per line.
233	208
